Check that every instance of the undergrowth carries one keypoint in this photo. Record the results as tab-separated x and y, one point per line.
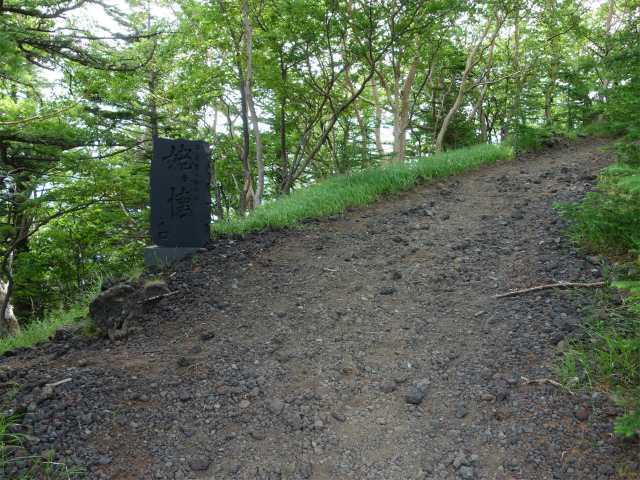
39	331
16	464
607	222
361	188
532	138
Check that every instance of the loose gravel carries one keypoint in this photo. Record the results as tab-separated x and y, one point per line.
361	346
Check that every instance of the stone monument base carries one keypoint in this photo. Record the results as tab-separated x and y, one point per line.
165	255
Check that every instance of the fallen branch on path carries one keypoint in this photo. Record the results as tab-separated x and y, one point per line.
545	380
195	367
158	297
47	390
554	285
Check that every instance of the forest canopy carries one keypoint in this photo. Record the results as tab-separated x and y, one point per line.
287	92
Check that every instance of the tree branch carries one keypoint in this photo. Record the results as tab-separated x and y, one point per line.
40	117
556	285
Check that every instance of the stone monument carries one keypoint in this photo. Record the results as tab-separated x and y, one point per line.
180	199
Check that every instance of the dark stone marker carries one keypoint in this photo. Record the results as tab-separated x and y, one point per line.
180	193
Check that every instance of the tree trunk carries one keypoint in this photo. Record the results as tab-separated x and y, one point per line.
549	92
246	169
283	136
8	321
463	84
399	103
241	42
483	127
216	187
334	154
405	97
484	88
602	95
363	132
248	30
153	110
516	67
376	100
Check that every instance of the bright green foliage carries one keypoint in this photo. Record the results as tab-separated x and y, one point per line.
633	287
68	196
604	222
629	424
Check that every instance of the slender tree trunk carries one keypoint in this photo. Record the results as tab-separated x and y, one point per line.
216	187
516	109
363	132
549	91
153	110
246	187
8	321
463	85
399	103
283	135
485	87
376	100
483	126
248	30
334	154
602	94
516	67
405	98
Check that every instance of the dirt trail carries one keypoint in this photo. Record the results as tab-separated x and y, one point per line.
364	346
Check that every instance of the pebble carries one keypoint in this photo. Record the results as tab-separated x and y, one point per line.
414	396
199	463
582	414
276	406
338	416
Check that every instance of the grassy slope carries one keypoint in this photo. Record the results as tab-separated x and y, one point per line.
361	188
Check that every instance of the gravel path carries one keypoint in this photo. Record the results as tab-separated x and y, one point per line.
365	346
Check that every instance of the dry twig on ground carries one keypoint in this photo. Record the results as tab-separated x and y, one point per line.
554	285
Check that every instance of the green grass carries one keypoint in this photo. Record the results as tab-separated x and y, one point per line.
604	224
607	222
606	129
15	464
607	356
41	330
362	188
